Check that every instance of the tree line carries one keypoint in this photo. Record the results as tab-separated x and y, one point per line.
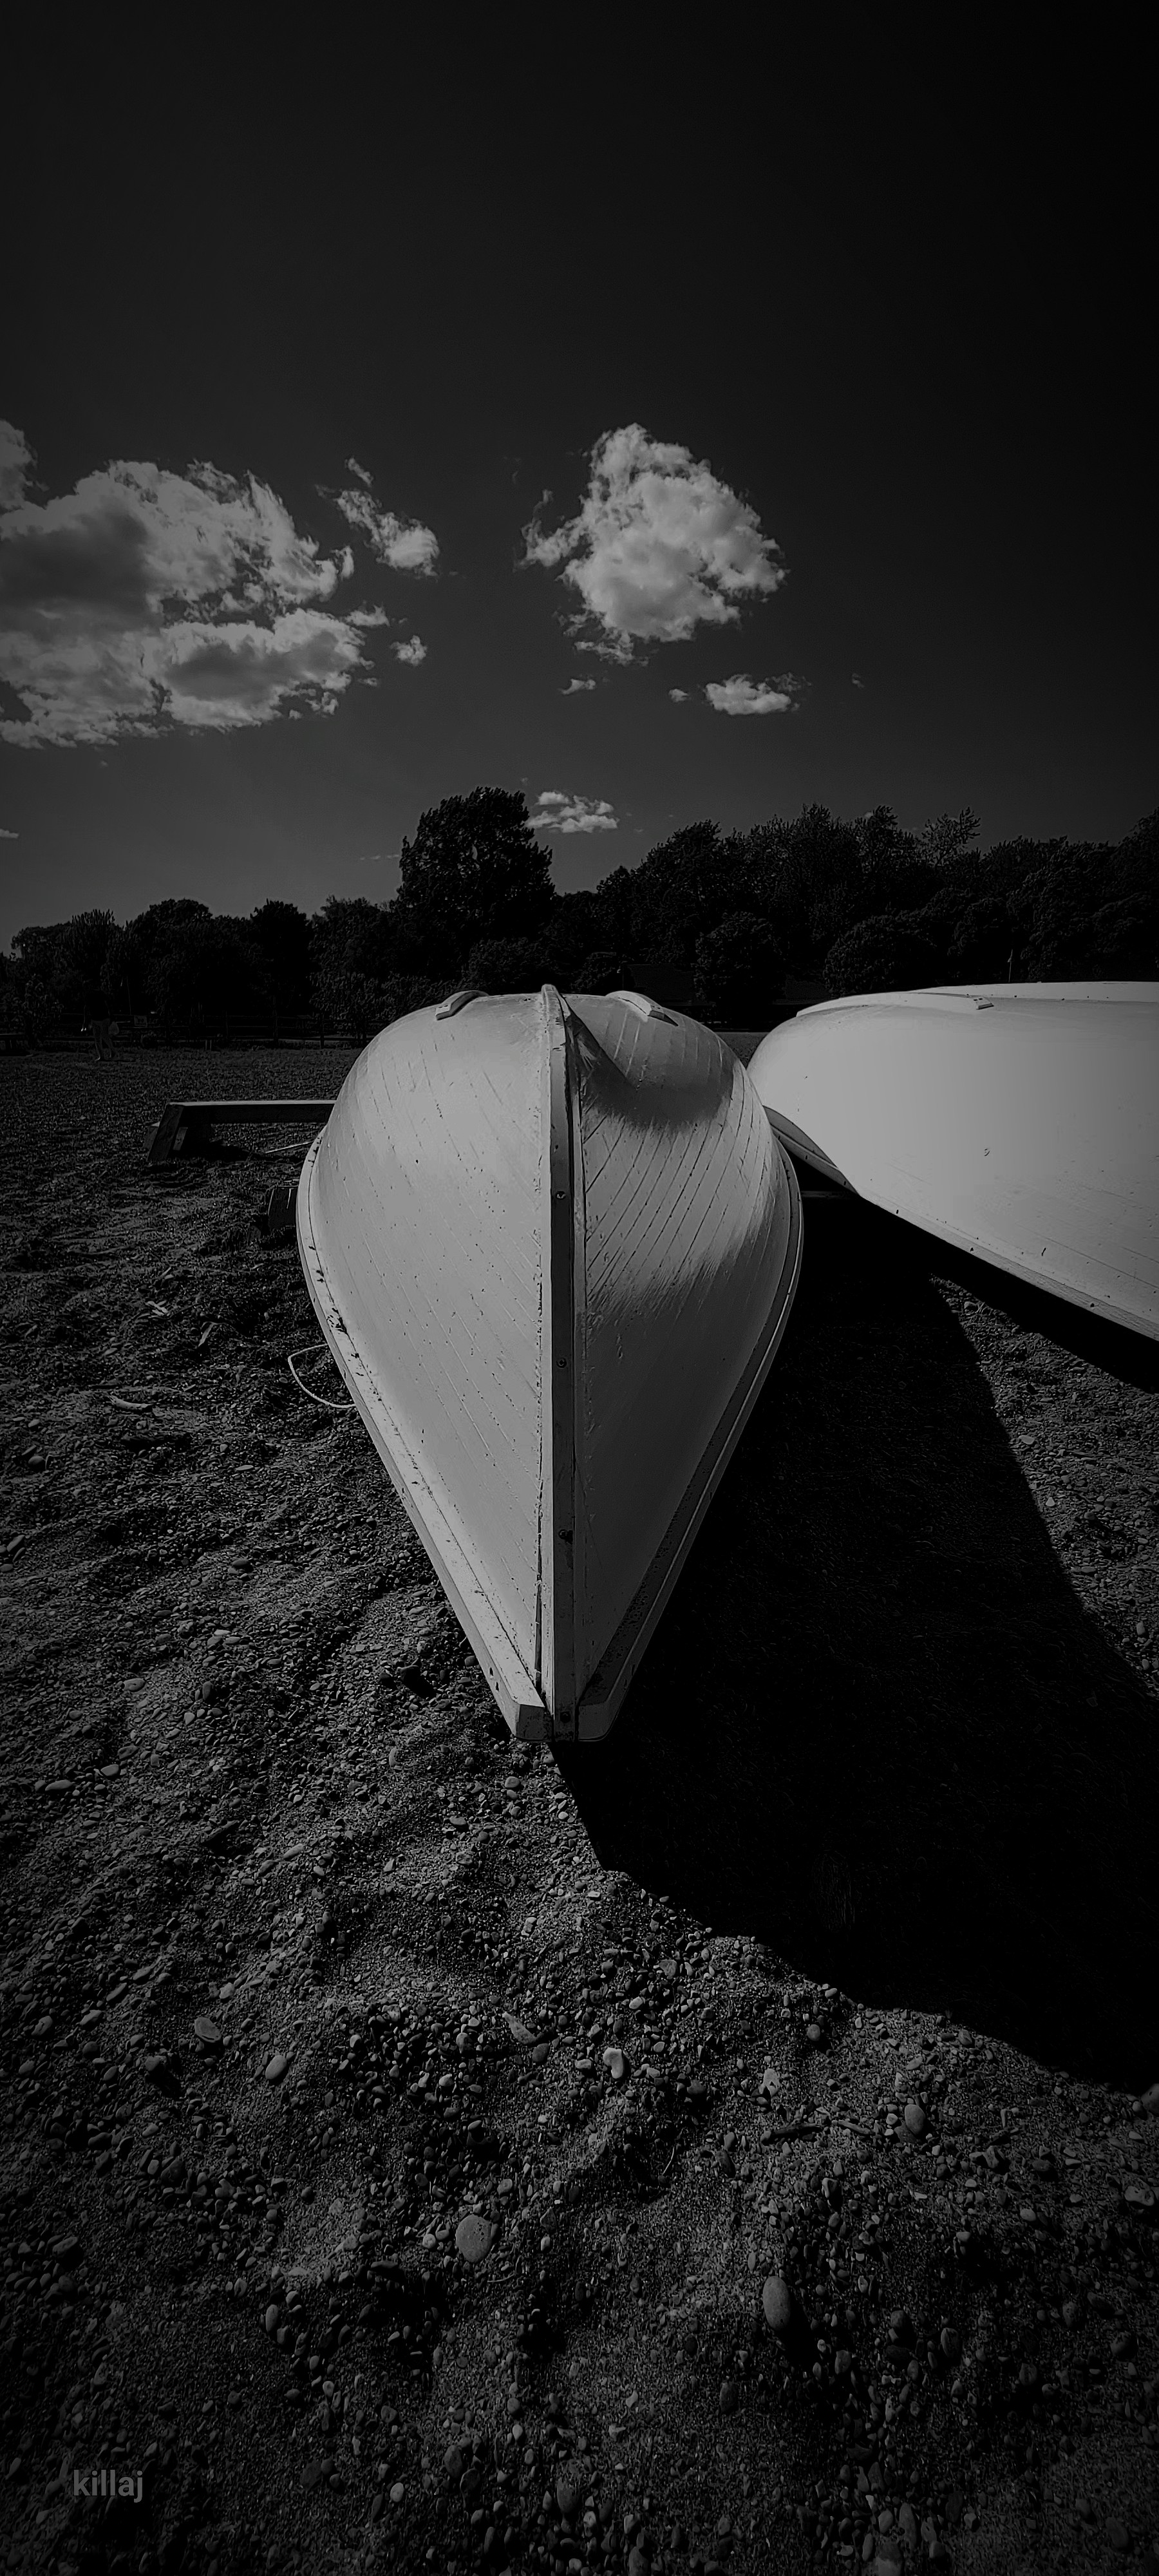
847	906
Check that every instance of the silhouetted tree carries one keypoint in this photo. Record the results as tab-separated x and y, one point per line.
888	953
511	965
281	934
605	970
740	971
474	870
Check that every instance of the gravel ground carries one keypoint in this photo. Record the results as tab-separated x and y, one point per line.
734	2145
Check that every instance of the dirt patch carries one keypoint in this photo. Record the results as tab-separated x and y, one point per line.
399	2129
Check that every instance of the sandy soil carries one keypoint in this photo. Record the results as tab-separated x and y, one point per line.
398	2131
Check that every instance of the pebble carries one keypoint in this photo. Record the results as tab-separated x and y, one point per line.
207	2031
569	2494
729	2398
915	2119
777	2301
615	2062
1149	2101
277	2067
474	2237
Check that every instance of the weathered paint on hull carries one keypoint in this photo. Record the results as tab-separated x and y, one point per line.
1019	1122
553	1246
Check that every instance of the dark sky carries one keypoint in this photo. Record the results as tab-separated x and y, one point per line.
884	332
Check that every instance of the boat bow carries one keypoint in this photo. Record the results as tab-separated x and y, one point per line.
552	1245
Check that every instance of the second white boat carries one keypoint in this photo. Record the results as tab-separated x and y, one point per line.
1018	1122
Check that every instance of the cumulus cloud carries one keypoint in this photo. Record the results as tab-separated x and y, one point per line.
15	465
414	652
367	617
658	547
741	696
557	812
145	599
404	544
678	696
858	682
574	688
6	835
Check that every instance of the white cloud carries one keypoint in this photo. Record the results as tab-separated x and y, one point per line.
741	696
556	812
575	686
6	835
367	617
353	467
414	652
404	544
678	696
659	546
858	682
144	599
15	465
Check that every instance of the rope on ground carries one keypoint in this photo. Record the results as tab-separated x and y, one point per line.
326	1401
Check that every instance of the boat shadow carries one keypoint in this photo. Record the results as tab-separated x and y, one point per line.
876	1728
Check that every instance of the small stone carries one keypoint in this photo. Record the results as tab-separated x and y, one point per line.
474	2238
67	2251
272	2319
1072	2313
951	2343
1118	2535
1149	2102
162	2074
915	2119
43	2026
207	2031
1124	2347
454	2462
277	2067
729	2398
901	2326
569	2494
777	2301
813	2034
614	2061
397	2491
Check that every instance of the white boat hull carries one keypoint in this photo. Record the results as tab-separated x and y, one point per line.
1020	1123
552	1246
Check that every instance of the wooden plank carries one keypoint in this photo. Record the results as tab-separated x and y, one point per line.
196	1117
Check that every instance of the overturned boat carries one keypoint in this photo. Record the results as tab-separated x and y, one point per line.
552	1245
1018	1122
